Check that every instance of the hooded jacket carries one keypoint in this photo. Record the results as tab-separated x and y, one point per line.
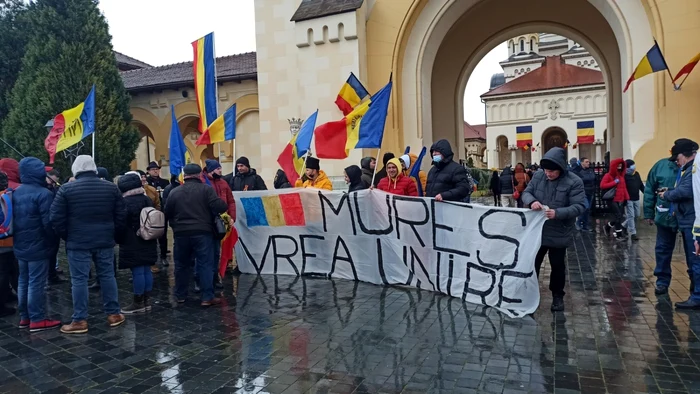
88	212
134	251
367	172
662	174
447	178
422	176
608	181
681	198
508	181
521	178
401	185
354	174
247	181
11	168
565	195
321	182
587	175
495	183
382	173
281	180
34	238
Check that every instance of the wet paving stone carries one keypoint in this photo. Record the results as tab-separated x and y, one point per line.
303	335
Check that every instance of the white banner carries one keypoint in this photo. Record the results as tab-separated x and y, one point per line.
485	255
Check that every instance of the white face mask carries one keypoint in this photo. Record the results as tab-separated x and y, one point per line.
437	158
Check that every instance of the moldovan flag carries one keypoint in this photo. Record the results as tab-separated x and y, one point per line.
351	94
204	67
71	126
688	67
361	128
652	62
585	132
523	136
291	159
222	129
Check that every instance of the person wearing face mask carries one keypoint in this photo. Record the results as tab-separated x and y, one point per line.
682	206
353	177
396	182
634	186
615	177
447	180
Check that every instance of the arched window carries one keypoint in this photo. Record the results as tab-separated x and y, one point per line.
512	46
532	45
522	45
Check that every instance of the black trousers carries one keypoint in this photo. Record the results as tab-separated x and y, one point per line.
557	259
618	211
9	275
496	200
163	243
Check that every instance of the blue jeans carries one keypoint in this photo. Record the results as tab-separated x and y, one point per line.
632	214
31	296
665	242
143	279
693	262
201	247
583	219
79	262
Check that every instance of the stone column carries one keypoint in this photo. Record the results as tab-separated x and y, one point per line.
513	158
598	151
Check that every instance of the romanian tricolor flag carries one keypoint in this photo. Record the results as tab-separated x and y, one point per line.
71	126
361	128
351	94
220	130
204	66
523	136
688	67
652	62
291	159
585	132
274	211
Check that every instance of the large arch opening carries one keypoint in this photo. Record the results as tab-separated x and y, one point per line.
447	39
146	151
554	137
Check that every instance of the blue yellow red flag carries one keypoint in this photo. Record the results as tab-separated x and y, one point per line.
351	94
652	62
306	132
71	126
222	129
204	67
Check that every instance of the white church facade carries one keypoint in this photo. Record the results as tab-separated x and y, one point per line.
549	89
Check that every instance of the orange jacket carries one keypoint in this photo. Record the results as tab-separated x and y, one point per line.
321	182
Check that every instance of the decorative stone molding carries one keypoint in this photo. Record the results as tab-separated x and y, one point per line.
295	125
331	29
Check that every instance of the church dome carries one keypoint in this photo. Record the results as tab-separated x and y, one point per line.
497	80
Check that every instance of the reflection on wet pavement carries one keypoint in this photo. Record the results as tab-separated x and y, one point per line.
304	335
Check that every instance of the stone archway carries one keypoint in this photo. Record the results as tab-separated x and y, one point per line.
554	137
435	61
146	151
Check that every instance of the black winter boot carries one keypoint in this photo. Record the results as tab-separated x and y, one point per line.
136	307
147	301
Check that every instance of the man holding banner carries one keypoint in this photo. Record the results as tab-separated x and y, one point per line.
561	194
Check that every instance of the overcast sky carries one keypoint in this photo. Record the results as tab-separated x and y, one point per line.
159	32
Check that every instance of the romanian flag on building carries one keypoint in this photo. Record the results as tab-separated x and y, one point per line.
291	159
523	136
361	128
204	66
585	132
351	94
220	130
176	146
652	62
274	211
71	126
688	67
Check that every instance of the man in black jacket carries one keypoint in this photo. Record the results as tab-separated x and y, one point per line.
447	180
190	209
634	185
87	213
246	178
587	175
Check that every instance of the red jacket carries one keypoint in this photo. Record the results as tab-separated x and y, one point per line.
11	168
402	185
608	181
223	190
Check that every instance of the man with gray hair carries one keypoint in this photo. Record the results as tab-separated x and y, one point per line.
87	213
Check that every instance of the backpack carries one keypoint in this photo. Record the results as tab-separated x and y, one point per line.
6	218
152	224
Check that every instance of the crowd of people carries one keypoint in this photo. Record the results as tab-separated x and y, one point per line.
92	214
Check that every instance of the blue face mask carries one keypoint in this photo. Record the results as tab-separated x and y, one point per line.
437	158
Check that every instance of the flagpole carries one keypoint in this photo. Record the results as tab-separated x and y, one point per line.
668	71
375	167
683	81
93	146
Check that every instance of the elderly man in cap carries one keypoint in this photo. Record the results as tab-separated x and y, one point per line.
87	213
154	178
317	178
190	209
682	205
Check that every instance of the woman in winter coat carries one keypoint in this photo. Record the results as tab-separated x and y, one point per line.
135	253
281	180
396	182
616	178
495	187
353	177
521	181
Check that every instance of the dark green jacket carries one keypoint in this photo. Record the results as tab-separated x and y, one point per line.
662	174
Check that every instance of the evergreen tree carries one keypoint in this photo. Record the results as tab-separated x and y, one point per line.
69	49
13	38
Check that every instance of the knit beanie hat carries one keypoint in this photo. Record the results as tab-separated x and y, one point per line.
243	160
212	165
